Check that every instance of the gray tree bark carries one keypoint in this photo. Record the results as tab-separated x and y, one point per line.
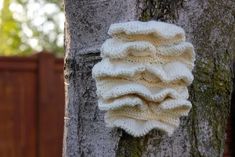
209	25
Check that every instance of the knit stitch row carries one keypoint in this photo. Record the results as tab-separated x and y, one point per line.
143	76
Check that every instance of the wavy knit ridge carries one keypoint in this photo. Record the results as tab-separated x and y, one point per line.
158	33
109	91
132	100
136	127
143	76
139	50
169	72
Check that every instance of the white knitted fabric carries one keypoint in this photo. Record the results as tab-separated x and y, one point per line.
143	77
158	33
139	50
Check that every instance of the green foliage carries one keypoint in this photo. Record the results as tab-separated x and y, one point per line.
23	33
10	40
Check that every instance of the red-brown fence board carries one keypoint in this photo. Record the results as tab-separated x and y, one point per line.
32	107
228	148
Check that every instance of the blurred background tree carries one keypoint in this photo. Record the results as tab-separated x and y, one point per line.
28	26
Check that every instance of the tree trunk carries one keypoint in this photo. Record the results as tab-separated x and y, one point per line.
209	25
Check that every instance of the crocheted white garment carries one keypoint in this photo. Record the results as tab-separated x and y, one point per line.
143	77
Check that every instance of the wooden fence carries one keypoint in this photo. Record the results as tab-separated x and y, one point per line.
32	107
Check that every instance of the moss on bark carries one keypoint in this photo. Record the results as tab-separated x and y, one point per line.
211	90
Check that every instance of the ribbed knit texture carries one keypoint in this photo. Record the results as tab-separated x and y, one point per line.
143	77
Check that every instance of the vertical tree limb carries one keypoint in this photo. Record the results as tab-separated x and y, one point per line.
209	25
